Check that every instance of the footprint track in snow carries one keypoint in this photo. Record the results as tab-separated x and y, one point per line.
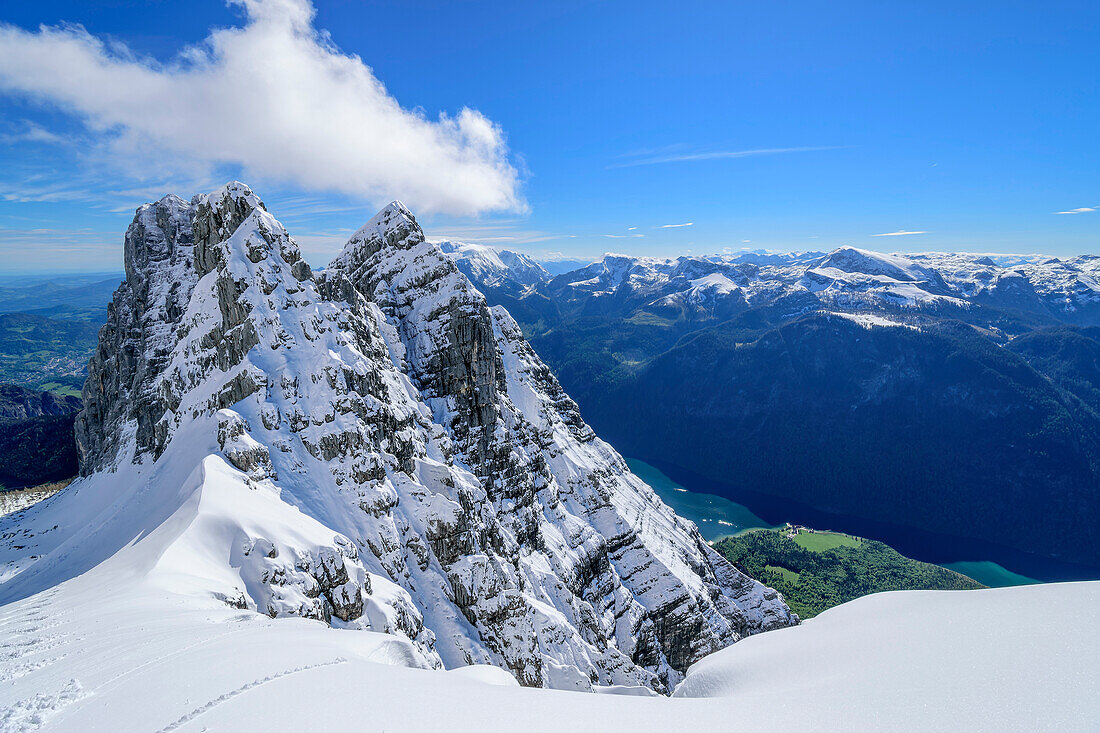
243	689
33	712
160	659
14	670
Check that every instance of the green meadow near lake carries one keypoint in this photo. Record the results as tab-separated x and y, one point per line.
818	570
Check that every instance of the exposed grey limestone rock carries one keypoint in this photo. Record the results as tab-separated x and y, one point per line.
136	342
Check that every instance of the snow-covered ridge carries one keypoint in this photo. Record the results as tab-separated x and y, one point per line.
921	660
371	447
870	320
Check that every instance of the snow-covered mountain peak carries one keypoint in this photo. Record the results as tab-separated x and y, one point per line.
860	266
217	215
492	267
233	195
612	261
394	209
389	224
168	215
853	260
372	447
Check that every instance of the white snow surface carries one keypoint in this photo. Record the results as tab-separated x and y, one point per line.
870	320
77	658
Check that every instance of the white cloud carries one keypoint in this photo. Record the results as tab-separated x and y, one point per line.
649	158
1082	210
623	236
275	98
898	233
675	226
29	191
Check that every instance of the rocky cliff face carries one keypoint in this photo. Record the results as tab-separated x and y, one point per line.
134	344
470	508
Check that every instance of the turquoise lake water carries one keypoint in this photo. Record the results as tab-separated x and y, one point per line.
717	517
989	573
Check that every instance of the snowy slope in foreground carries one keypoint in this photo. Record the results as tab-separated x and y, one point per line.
76	658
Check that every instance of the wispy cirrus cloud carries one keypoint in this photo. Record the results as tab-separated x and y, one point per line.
70	249
675	226
898	233
505	231
623	236
29	132
678	154
22	183
1081	210
275	99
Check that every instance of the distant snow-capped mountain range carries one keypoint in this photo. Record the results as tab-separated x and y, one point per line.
1049	288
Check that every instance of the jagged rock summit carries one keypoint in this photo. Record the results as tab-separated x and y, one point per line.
373	447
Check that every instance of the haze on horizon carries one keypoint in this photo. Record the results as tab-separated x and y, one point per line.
661	131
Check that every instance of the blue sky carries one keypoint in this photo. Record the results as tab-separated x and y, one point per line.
593	126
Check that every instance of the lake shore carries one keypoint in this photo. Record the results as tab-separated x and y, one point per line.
720	510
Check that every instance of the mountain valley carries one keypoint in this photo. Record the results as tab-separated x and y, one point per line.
851	382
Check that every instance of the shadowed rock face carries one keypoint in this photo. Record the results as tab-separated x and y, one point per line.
456	357
36	436
387	401
136	341
19	403
164	261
